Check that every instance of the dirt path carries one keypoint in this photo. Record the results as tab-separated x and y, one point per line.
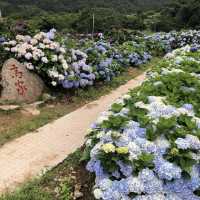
31	154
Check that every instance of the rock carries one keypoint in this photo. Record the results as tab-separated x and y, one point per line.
47	97
73	177
37	103
50	106
78	194
56	190
20	27
9	107
19	84
32	109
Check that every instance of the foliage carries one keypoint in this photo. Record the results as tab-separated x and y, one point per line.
104	20
72	63
77	15
123	6
86	63
160	140
156	15
179	14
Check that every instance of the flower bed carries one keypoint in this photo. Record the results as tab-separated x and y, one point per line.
173	40
147	146
90	61
74	68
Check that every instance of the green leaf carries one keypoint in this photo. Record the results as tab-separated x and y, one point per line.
116	108
166	123
86	154
115	122
146	157
186	121
150	134
145	160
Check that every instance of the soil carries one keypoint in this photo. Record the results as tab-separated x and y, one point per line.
78	176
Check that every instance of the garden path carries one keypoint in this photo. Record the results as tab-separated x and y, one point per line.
31	154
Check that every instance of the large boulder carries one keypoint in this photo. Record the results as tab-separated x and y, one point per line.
19	84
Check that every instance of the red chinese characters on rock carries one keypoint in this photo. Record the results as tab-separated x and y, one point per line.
20	85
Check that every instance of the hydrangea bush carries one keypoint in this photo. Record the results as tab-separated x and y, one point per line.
80	73
135	53
86	62
109	60
40	53
73	68
168	41
100	56
147	146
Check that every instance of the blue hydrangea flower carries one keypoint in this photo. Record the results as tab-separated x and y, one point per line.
167	170
126	170
152	184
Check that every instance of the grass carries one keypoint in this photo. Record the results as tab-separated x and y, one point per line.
14	124
57	184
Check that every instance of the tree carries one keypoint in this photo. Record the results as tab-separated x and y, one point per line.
105	20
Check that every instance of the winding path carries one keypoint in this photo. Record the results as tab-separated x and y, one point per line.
31	154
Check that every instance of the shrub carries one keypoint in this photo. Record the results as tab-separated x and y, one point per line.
147	145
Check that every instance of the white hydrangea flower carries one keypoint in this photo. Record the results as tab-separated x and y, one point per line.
12	42
20	38
101	119
41	46
54	58
7	49
40	36
100	134
54	83
53	73
28	56
44	60
61	77
134	150
29	66
126	96
98	193
46	41
62	50
135	185
65	65
14	49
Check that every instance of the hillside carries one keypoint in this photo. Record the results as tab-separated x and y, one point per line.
75	5
77	15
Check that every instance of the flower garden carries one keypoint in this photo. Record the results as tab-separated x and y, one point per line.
74	68
89	61
147	145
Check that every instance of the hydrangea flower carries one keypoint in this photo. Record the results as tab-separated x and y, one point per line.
142	160
166	170
152	185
